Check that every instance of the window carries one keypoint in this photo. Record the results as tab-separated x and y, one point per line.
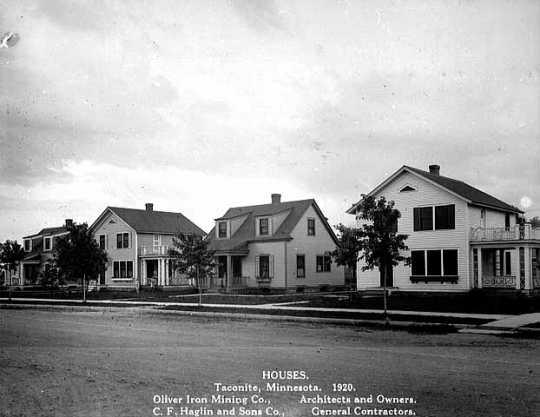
418	262
428	263
123	269
122	240
311	227
507	221
323	263
264	266
27	245
423	218
300	266
445	217
263	226
47	243
434	262
222	230
450	266
102	241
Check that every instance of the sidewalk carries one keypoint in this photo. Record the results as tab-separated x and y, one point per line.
282	307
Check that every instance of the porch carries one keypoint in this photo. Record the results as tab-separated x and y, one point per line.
506	267
228	273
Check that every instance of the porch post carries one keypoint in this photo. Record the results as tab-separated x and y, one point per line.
515	265
480	260
229	271
166	263
528	268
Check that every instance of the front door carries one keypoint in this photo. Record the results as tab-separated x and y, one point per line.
222	270
389	277
152	272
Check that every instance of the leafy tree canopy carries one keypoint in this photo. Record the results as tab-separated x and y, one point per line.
191	253
77	254
11	253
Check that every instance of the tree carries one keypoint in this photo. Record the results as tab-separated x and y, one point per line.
348	249
11	254
535	222
78	256
377	242
192	257
49	277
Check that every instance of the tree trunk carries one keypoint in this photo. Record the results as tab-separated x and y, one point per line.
199	285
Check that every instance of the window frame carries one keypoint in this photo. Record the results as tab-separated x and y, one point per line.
47	239
122	240
267	261
448	223
323	263
29	241
260	226
419	218
443	257
303	268
122	270
104	246
226	231
311	230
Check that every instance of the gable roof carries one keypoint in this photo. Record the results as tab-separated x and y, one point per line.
246	232
467	192
145	221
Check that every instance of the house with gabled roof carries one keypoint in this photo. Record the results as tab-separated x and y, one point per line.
459	237
39	249
137	243
283	245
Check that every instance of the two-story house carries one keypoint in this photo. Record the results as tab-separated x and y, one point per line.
39	251
459	237
137	243
282	245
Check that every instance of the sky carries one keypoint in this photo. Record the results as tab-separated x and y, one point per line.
198	106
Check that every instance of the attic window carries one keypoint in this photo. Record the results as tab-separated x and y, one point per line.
407	188
222	230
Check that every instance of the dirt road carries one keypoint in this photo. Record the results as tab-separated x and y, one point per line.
114	363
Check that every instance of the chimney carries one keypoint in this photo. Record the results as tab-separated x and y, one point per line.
434	169
149	206
276	198
69	223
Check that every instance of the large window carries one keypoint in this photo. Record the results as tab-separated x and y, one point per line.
122	240
300	266
27	245
222	230
263	227
507	263
123	269
47	243
434	263
445	217
311	227
323	263
423	218
102	241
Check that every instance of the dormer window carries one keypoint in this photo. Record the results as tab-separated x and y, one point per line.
222	230
47	243
263	227
28	245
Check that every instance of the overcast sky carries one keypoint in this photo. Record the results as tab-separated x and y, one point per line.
198	106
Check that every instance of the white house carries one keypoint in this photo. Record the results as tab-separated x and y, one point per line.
459	237
278	245
137	243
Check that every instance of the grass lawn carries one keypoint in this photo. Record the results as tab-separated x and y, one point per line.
454	303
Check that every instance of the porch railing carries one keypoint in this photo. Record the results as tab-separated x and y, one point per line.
154	250
517	232
502	281
216	283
